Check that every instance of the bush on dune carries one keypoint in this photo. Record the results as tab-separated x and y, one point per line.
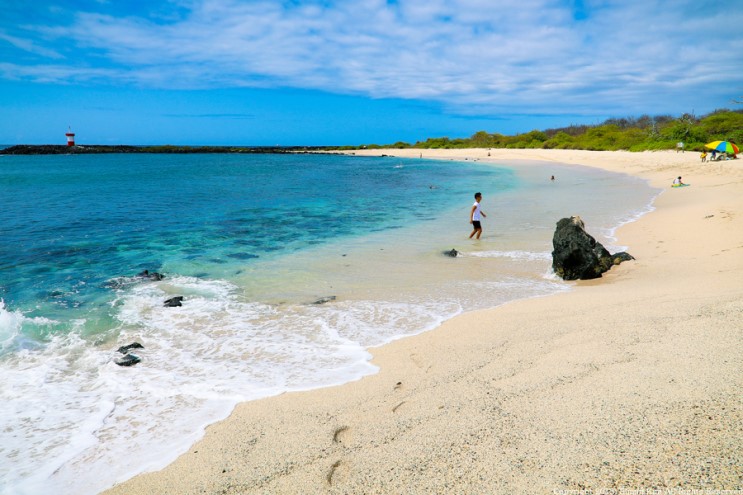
630	133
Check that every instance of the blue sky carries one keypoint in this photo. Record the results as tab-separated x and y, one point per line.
326	72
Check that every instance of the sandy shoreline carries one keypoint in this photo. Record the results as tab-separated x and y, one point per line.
630	381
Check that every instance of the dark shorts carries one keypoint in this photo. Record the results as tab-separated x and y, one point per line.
476	225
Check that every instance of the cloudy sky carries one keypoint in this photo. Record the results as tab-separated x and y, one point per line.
305	72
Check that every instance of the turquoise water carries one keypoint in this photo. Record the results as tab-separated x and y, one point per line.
73	223
250	241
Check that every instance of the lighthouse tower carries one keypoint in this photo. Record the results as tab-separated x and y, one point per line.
70	137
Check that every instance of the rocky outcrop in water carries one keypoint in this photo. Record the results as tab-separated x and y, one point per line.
453	253
577	255
128	359
173	302
124	349
324	300
122	282
152	276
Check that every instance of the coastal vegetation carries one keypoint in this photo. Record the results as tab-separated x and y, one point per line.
631	133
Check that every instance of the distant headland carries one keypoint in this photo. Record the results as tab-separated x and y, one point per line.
53	149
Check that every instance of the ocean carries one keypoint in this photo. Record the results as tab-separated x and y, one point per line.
290	267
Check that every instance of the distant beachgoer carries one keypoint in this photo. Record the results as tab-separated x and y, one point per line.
475	216
679	146
552	178
714	155
703	156
677	182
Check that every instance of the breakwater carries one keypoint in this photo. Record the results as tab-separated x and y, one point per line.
53	149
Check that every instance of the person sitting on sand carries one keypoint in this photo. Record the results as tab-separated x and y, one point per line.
677	182
475	215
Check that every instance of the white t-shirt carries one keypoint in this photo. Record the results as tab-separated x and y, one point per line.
476	214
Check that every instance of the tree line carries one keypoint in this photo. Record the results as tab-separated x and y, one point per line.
630	133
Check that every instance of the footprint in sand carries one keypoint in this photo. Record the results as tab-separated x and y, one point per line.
337	472
419	362
342	435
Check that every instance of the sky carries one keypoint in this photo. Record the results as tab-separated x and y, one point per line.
353	72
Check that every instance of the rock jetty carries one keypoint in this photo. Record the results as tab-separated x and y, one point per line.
53	149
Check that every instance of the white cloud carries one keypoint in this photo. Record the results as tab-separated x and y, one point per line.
528	54
29	46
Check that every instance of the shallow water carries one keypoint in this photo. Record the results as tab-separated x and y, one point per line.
250	241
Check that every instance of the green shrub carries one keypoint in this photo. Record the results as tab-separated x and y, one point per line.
635	134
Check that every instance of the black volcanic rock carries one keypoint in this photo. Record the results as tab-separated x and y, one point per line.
124	349
324	300
152	276
173	302
577	255
128	360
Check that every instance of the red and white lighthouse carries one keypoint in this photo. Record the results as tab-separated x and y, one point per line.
70	137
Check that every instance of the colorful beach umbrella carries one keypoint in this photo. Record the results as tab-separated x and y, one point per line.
723	147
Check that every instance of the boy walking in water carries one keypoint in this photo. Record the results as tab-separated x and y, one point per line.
475	215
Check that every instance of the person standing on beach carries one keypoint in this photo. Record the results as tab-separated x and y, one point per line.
475	215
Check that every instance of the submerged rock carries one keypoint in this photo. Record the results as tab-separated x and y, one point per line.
242	256
577	255
128	360
124	349
324	300
453	253
173	302
152	276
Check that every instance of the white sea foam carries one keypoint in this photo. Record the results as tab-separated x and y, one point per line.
11	323
551	275
514	255
630	217
198	361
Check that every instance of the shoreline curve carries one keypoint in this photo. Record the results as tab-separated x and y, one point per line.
629	381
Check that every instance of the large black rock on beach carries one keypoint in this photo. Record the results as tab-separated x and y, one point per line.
576	253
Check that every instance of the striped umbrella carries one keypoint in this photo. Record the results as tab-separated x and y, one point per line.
723	147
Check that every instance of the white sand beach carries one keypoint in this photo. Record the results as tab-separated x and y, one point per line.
630	381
